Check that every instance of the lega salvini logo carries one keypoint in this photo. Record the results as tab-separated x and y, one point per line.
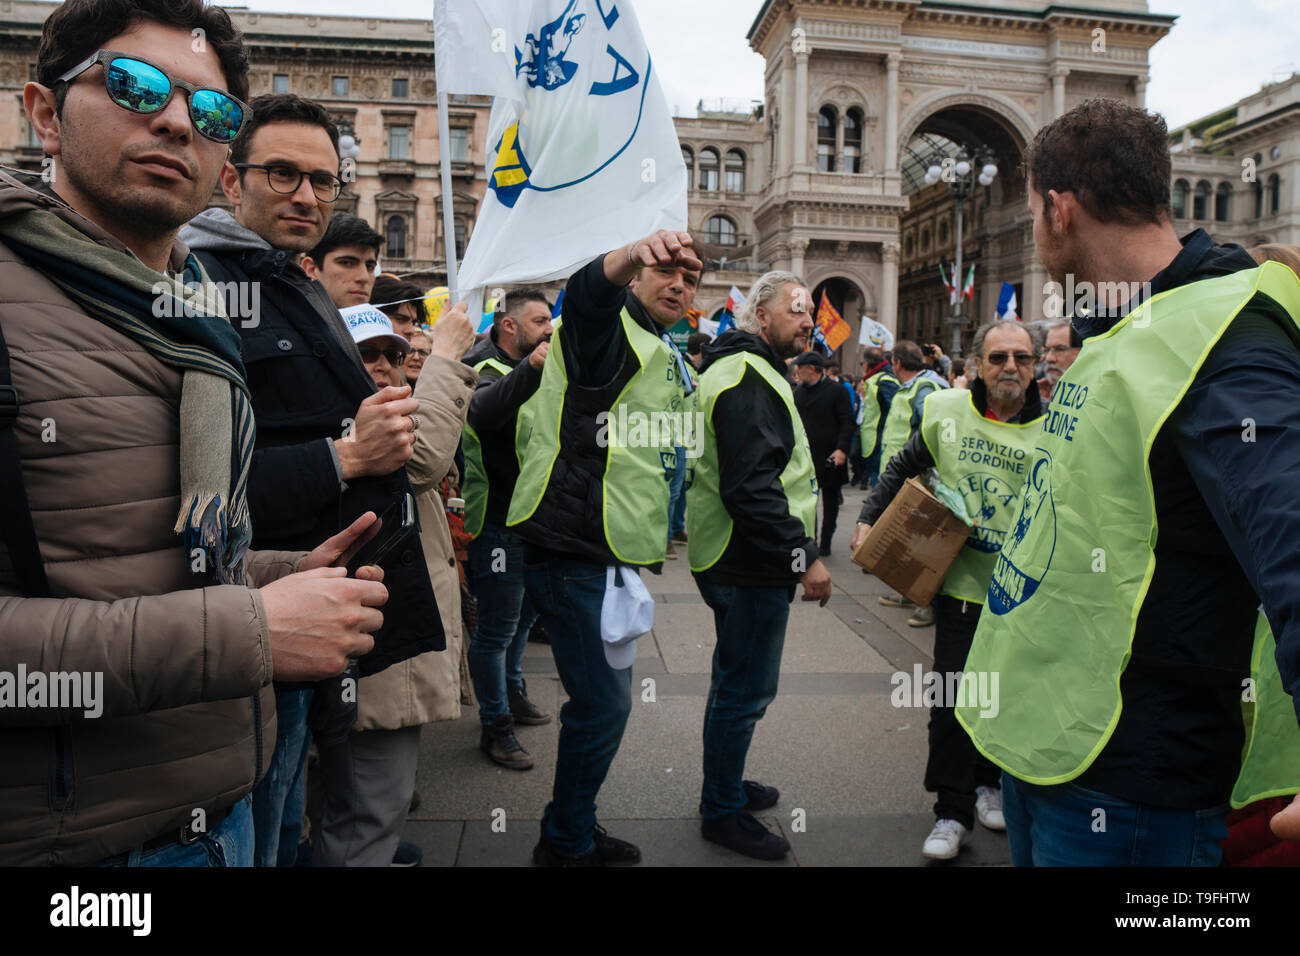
573	66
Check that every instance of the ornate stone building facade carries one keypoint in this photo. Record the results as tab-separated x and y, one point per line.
1236	172
864	95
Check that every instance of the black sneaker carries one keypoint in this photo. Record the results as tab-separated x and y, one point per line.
757	796
545	855
499	743
614	852
408	854
523	710
537	634
742	833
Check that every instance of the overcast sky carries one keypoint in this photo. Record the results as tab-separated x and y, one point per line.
1208	61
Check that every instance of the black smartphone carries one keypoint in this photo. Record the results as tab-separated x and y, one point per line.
379	540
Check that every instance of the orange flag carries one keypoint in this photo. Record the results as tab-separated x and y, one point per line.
834	329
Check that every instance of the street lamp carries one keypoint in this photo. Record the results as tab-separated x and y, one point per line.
961	175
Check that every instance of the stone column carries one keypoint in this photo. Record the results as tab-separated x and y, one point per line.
839	145
797	249
891	112
1031	309
1058	90
1140	91
787	132
781	257
888	287
800	112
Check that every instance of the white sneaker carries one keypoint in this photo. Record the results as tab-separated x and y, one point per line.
945	840
988	807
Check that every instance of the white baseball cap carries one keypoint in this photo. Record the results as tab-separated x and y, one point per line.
366	323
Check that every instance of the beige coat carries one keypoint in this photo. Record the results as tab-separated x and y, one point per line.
188	716
427	687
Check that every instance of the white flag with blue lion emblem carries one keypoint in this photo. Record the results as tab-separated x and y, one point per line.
583	156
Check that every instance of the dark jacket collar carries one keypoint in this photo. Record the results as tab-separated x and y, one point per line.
1199	259
734	340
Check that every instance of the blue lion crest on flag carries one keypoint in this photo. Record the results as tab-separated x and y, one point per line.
546	66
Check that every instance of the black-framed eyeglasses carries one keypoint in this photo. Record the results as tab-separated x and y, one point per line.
371	353
1023	359
139	86
286	179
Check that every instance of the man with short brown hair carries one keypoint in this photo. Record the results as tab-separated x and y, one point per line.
329	446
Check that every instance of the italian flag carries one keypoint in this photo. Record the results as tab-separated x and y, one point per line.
968	289
948	285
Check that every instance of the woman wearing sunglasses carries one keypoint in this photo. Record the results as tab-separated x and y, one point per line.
393	704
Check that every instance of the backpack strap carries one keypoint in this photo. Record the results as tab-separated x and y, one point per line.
16	527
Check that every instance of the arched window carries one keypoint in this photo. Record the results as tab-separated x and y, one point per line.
689	159
1222	201
395	237
853	141
735	171
1274	194
908	246
709	168
1201	201
943	231
720	231
1259	200
1180	199
826	123
925	239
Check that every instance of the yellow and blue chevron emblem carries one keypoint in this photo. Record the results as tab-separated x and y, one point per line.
510	173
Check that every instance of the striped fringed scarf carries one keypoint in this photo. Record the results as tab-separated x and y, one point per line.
183	328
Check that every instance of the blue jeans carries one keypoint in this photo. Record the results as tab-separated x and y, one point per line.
568	594
677	496
278	799
505	616
750	622
229	843
1063	825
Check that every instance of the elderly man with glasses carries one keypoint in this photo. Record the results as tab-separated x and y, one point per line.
329	446
1062	349
980	441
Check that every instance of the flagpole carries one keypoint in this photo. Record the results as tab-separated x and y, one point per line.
448	224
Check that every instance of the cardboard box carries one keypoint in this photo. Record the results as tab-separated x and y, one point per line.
913	544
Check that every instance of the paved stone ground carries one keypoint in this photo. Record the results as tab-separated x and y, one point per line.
831	742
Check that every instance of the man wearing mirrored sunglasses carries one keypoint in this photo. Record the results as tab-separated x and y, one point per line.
127	556
329	447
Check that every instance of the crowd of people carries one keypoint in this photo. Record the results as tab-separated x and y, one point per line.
196	530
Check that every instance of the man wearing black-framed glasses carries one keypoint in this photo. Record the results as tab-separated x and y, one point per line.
329	447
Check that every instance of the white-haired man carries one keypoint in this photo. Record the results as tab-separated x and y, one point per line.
751	512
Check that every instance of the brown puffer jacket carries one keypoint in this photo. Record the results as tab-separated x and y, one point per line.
427	687
188	716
